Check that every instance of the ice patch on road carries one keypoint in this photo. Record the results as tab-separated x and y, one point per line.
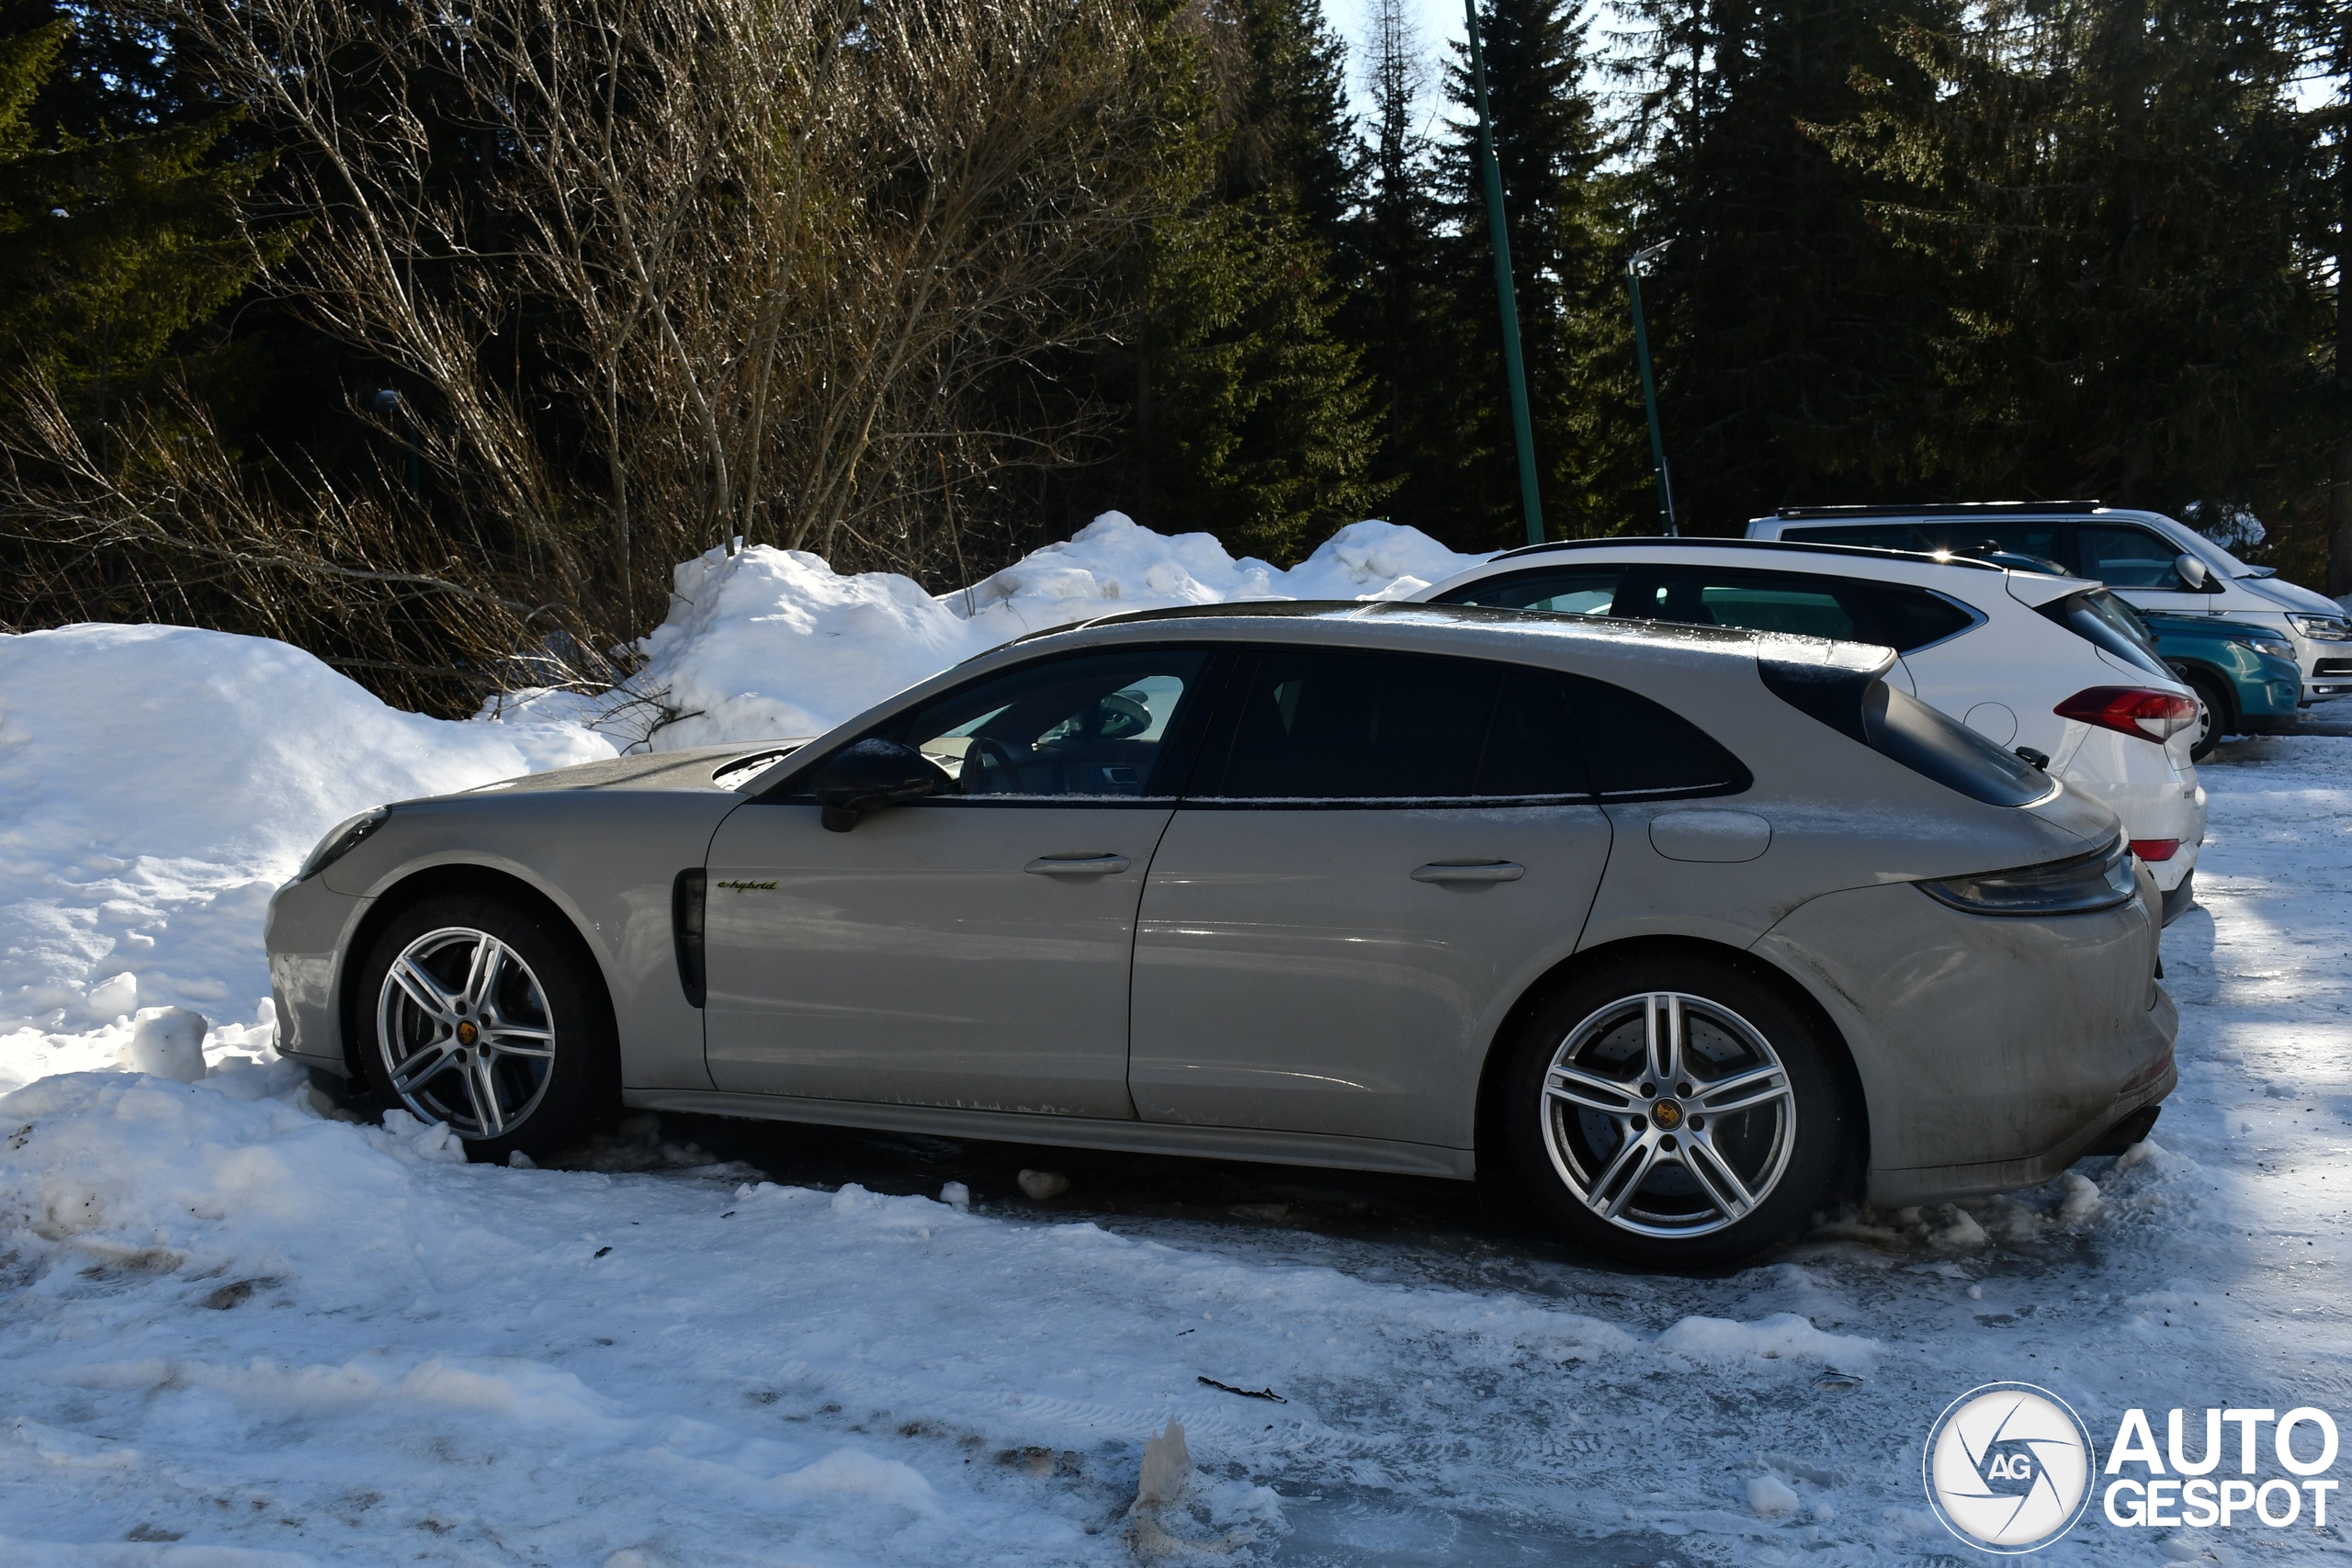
1783	1334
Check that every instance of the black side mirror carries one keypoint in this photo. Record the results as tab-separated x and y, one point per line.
869	775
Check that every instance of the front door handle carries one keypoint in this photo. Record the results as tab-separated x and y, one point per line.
1473	871
1077	865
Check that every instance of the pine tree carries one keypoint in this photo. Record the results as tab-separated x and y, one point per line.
1795	340
2111	189
1253	417
118	234
1401	310
1564	226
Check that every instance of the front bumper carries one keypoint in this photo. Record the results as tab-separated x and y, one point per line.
304	933
1992	1051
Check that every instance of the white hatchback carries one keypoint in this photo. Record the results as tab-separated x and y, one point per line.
2051	666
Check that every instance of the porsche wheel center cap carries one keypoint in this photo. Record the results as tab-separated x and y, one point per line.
1667	1114
467	1033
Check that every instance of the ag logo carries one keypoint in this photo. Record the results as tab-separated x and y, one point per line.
2008	1467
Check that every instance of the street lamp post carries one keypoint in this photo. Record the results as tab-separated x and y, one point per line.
1649	388
1531	502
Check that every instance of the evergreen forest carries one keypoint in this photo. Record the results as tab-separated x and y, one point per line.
430	338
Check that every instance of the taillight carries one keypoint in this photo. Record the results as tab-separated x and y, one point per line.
2155	850
2132	710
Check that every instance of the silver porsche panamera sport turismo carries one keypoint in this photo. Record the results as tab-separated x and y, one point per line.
1683	930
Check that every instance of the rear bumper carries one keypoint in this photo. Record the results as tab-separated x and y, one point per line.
1993	1052
2180	898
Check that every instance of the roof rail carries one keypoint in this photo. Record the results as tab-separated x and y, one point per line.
1944	509
1799	547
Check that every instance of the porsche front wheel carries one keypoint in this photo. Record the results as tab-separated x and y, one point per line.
481	1015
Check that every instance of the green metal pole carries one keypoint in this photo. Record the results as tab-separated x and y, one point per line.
1531	502
1649	388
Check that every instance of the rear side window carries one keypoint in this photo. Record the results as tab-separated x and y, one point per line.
2097	617
1844	609
1305	725
1563	590
1316	725
1863	535
1759	600
1958	536
1965	536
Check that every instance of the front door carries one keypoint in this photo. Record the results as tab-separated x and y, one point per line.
970	949
1378	851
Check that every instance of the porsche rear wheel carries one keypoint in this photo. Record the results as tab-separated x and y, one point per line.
1674	1111
483	1015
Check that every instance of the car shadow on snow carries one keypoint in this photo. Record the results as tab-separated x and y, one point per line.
1421	1229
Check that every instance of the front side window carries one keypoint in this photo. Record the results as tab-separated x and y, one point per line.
1098	726
2129	558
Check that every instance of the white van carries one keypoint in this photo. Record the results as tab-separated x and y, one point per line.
2151	561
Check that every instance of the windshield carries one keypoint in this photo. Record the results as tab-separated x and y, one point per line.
2099	618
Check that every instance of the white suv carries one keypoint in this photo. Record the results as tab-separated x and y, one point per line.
2151	562
2049	666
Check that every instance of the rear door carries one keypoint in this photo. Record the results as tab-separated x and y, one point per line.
1378	851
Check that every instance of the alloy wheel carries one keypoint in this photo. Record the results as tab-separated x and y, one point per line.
465	1031
1668	1115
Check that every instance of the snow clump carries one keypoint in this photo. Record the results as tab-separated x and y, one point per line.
765	643
158	782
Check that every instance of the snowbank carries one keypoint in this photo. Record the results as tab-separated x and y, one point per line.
769	642
157	782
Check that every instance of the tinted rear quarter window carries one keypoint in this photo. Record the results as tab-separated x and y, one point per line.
1908	619
1637	749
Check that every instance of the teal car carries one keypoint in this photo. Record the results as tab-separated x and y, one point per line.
2246	675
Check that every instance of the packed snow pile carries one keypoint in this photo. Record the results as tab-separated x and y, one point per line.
156	783
767	642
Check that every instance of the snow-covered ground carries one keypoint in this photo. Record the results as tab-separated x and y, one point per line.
232	1330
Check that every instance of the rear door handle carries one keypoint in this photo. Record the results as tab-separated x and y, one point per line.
1077	865
1476	871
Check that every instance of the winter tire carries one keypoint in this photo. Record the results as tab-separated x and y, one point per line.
491	1018
1674	1111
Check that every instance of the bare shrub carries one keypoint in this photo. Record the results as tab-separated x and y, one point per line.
649	277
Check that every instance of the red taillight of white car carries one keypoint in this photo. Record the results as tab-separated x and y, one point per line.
2155	850
2132	710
